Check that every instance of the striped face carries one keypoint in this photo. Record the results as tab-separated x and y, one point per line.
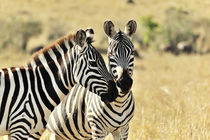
91	72
120	54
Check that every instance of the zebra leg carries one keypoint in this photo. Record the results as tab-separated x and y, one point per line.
121	133
35	136
21	135
47	135
52	136
6	137
18	136
55	137
58	138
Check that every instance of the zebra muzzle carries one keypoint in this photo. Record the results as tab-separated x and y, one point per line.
125	82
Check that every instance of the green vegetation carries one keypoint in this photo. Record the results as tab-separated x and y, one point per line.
178	26
148	30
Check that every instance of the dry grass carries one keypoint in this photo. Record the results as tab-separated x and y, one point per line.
171	93
172	98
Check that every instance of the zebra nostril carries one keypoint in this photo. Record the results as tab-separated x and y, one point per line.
121	79
125	83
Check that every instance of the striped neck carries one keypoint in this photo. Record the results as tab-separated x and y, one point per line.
58	58
122	99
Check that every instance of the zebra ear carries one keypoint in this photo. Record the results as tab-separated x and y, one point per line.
80	37
130	28
90	34
109	28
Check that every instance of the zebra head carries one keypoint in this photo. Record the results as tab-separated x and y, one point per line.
121	54
90	70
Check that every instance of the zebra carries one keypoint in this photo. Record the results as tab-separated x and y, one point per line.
28	94
82	114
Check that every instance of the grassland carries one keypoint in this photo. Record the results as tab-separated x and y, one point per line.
172	98
171	93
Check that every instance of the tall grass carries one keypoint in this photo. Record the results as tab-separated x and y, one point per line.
172	98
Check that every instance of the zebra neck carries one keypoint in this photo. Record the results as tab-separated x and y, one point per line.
59	60
122	99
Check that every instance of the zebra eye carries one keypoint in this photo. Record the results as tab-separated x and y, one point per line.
93	63
110	53
132	53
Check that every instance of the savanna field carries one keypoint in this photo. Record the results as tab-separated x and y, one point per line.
172	93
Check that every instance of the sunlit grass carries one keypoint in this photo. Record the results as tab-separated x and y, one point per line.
172	98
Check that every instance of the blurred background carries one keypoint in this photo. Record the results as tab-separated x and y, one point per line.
172	68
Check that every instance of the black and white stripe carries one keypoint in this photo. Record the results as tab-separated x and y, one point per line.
28	94
121	54
83	115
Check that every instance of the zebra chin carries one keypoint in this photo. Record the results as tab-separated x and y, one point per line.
112	93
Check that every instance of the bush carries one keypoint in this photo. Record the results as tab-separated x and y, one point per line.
17	32
178	26
56	30
148	30
203	28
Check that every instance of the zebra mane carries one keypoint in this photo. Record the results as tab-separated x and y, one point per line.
59	42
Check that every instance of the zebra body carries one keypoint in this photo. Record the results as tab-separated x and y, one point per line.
82	115
85	115
28	94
